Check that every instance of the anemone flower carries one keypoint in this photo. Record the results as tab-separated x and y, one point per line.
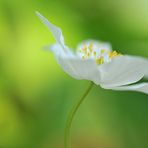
95	61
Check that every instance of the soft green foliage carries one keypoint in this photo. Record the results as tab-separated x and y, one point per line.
36	95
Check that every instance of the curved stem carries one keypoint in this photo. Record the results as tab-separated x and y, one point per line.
71	116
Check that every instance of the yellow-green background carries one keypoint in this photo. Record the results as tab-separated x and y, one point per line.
36	95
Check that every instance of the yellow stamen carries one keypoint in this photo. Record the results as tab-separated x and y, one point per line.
88	54
113	54
91	47
80	51
83	57
100	60
95	53
102	51
84	47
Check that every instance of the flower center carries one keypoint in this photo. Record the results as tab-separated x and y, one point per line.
98	53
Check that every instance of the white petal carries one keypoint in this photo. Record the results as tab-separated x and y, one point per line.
56	31
56	49
141	87
75	66
80	69
123	70
64	60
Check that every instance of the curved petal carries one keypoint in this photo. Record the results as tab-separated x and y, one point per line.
123	70
80	69
56	31
69	62
58	50
141	87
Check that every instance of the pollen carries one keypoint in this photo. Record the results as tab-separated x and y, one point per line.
100	60
95	53
113	54
102	51
84	47
99	54
83	57
91	47
88	54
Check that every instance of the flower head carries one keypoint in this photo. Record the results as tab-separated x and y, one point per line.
95	61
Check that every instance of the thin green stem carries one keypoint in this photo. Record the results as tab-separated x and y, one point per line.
71	117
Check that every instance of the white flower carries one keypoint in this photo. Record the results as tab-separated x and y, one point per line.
95	61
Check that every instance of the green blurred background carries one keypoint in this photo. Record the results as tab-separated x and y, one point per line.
36	95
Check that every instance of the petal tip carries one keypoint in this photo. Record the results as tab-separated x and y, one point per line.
38	14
